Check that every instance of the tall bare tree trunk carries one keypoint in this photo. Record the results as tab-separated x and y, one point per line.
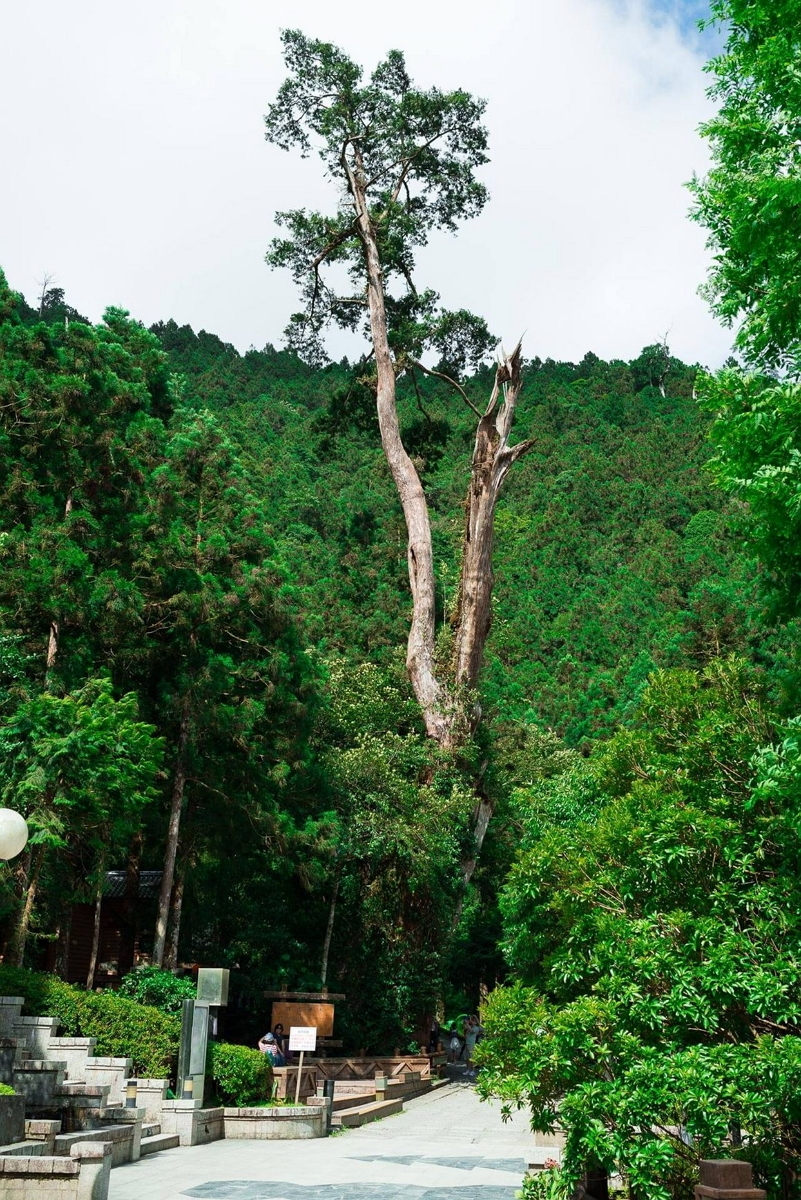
434	703
492	459
61	963
329	930
449	706
173	833
130	905
445	708
55	625
176	908
93	956
23	925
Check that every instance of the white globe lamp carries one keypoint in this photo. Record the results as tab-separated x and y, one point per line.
13	833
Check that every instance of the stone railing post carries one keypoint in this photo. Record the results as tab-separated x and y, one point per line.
727	1179
95	1164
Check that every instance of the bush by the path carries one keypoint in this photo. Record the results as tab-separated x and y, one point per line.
242	1076
158	988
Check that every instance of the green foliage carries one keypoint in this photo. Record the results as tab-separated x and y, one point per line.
749	200
5	1090
241	1076
415	152
158	988
123	1028
657	940
757	435
81	761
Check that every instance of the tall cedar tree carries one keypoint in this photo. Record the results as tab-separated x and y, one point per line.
406	161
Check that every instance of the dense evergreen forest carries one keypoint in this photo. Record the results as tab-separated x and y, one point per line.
578	810
215	541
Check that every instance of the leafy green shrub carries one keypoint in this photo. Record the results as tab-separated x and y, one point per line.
5	1090
159	988
242	1076
123	1028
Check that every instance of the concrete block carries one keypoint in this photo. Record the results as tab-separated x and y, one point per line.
195	1126
37	1032
75	1052
95	1168
10	1010
37	1080
12	1119
110	1072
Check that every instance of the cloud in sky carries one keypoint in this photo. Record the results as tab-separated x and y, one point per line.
136	170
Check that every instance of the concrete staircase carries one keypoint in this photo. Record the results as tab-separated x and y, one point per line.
71	1095
153	1139
364	1101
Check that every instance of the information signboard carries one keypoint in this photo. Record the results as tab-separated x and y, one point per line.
303	1037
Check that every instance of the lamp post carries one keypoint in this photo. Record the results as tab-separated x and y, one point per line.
13	833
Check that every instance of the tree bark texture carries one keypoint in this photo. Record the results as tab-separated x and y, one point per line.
448	714
130	906
176	907
23	925
61	963
329	930
173	833
433	701
93	957
55	625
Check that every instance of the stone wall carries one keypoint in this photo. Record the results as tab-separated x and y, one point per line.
194	1125
281	1122
82	1176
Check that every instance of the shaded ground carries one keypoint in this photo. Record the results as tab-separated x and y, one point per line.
443	1146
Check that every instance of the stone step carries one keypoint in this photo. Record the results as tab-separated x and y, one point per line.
119	1137
24	1149
355	1101
73	1088
150	1129
159	1141
352	1118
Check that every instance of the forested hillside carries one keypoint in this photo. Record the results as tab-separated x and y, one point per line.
203	551
450	679
612	553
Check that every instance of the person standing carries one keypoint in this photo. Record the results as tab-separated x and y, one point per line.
472	1032
269	1046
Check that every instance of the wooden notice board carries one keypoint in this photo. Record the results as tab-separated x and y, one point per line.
304	1012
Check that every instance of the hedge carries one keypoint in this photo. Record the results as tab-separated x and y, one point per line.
123	1028
159	988
241	1075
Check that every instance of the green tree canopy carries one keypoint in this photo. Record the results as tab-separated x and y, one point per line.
750	199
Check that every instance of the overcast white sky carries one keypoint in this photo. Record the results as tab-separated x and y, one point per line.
135	168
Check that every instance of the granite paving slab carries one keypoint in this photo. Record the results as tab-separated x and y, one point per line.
245	1189
445	1145
516	1166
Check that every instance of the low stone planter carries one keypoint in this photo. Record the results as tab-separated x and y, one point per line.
12	1119
280	1122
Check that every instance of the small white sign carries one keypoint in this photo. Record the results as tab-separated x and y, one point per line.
303	1037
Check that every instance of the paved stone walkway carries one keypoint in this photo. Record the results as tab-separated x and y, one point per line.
443	1146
